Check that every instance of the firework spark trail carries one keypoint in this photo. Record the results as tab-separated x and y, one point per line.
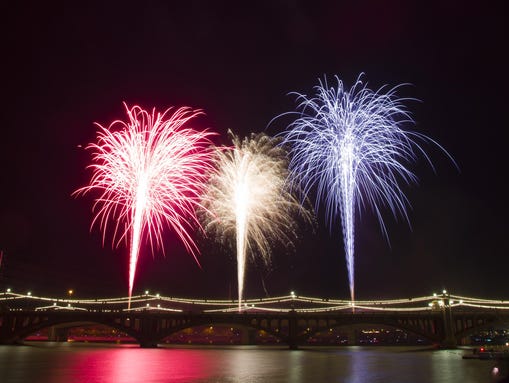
351	146
248	199
150	171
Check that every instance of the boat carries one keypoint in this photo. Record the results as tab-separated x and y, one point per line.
489	352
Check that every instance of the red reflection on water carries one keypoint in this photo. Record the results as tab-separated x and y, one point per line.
132	364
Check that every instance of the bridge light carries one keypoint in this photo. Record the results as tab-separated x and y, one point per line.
8	290
158	306
157	295
148	304
461	301
451	302
434	294
146	292
29	293
444	291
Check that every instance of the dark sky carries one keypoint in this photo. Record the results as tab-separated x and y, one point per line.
67	65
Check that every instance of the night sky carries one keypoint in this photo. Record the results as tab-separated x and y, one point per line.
67	65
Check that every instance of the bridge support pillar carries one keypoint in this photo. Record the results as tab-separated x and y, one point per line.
351	334
248	336
148	344
449	340
9	341
292	331
7	326
148	328
449	343
58	334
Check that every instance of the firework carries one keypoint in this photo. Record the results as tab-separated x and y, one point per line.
351	148
248	200
150	172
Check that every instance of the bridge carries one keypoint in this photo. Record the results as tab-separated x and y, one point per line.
445	320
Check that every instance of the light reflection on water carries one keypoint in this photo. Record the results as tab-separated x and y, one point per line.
70	363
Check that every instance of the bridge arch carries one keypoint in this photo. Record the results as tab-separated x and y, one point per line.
467	329
247	331
63	323
312	327
246	324
16	326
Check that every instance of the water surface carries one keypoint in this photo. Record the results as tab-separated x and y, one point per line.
48	362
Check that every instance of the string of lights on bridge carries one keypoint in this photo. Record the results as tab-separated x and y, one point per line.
147	301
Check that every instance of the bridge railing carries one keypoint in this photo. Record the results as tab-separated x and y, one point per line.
10	300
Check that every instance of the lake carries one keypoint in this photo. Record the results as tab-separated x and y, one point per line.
51	362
